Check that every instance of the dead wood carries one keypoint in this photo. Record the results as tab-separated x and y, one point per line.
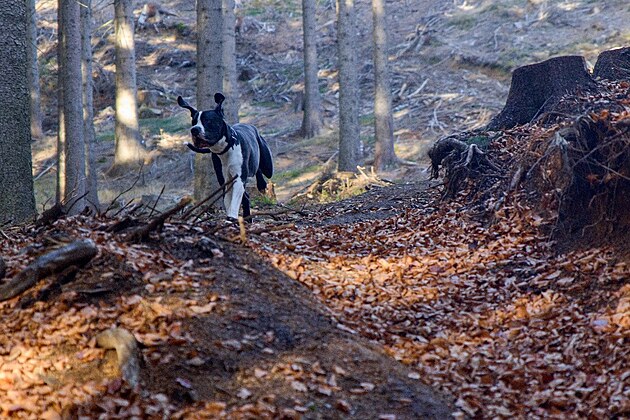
51	215
460	160
613	64
77	253
221	190
537	88
141	233
126	347
3	268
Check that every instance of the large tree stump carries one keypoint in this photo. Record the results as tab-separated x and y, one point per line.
537	88
613	64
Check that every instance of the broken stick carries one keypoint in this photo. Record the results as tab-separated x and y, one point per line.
141	233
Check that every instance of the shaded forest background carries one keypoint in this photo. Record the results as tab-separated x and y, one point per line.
498	289
450	71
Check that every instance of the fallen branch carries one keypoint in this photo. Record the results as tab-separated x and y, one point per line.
3	268
141	233
205	200
76	253
126	347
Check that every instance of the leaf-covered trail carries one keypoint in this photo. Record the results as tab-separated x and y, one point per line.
491	314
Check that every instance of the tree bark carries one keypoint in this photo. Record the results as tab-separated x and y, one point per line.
384	155
129	151
33	81
73	108
538	88
209	81
61	130
312	117
88	103
17	201
349	134
230	85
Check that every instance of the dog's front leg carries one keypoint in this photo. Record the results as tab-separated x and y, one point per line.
237	190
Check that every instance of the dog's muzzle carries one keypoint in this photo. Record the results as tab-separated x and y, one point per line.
198	138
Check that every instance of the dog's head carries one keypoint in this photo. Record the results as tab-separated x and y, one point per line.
208	127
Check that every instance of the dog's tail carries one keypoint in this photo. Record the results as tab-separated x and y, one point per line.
266	163
261	184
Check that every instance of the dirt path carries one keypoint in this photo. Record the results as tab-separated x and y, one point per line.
490	313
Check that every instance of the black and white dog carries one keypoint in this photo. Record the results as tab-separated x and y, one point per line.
237	151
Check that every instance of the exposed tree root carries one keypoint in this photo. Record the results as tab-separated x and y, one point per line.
126	347
461	161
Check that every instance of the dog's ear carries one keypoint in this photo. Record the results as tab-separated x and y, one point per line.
181	102
219	98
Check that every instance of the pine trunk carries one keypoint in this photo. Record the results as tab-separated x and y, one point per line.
88	103
17	201
349	134
73	108
384	155
230	86
33	81
129	152
312	117
209	81
61	129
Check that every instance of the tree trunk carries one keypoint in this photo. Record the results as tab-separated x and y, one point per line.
129	152
349	134
230	86
17	201
73	108
209	81
312	117
88	103
384	155
33	81
61	130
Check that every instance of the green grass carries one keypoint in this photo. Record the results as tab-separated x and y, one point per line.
171	125
105	136
295	173
464	22
261	7
481	141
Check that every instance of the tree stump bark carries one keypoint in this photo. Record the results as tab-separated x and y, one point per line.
613	64
536	88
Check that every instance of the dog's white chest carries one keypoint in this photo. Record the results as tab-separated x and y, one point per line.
232	162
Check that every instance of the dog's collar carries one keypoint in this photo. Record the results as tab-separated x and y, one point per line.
230	143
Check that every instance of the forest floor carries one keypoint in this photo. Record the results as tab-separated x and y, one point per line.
389	304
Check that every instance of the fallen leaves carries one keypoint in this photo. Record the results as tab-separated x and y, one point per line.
484	312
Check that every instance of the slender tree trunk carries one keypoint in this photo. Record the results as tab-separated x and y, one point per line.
216	72
17	201
73	108
209	81
384	155
129	151
312	117
349	133
61	129
88	103
230	86
36	106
